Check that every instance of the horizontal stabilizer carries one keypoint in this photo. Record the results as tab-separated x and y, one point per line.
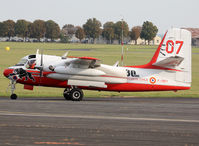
170	62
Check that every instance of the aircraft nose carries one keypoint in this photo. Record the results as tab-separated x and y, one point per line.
6	72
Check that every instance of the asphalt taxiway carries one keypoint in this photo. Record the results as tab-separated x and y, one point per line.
100	122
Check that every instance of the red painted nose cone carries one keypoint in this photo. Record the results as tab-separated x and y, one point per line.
6	72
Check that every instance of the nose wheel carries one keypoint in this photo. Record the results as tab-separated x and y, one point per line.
13	96
74	94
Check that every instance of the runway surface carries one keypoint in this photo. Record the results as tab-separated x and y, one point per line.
100	122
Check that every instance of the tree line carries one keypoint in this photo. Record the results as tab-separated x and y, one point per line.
91	30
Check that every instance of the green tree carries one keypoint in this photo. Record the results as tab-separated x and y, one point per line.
30	30
38	29
149	31
2	29
52	30
119	28
21	28
108	31
135	33
64	39
29	24
80	34
9	28
92	28
68	30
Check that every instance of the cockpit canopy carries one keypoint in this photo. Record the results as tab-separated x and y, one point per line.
27	61
22	62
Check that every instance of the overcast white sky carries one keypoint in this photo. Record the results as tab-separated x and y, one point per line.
163	13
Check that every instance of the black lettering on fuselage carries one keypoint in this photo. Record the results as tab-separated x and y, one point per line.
132	73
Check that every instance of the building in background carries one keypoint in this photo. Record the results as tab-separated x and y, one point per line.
195	35
156	41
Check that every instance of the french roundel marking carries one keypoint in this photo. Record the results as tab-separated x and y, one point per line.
152	80
14	77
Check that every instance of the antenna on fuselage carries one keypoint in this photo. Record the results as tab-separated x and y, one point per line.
41	65
122	43
65	55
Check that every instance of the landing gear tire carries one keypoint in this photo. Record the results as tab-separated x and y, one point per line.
66	94
76	94
13	96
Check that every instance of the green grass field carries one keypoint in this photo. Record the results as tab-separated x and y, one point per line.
109	54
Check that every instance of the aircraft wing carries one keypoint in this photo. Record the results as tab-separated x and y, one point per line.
85	66
84	62
170	62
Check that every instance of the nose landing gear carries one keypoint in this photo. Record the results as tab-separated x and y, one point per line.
12	84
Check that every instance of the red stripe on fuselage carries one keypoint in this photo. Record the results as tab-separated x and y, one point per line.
123	87
85	57
133	87
147	66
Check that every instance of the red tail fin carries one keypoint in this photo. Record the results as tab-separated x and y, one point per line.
154	59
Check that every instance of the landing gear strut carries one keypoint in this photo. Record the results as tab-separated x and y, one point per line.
74	94
66	94
13	96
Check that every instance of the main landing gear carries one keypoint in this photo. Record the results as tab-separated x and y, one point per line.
74	94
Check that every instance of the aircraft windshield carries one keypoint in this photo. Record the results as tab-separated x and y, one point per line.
22	62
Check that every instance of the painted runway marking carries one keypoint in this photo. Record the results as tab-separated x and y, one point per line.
6	113
59	143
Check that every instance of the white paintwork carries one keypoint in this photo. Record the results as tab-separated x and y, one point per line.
86	83
86	72
162	77
78	71
177	34
88	78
